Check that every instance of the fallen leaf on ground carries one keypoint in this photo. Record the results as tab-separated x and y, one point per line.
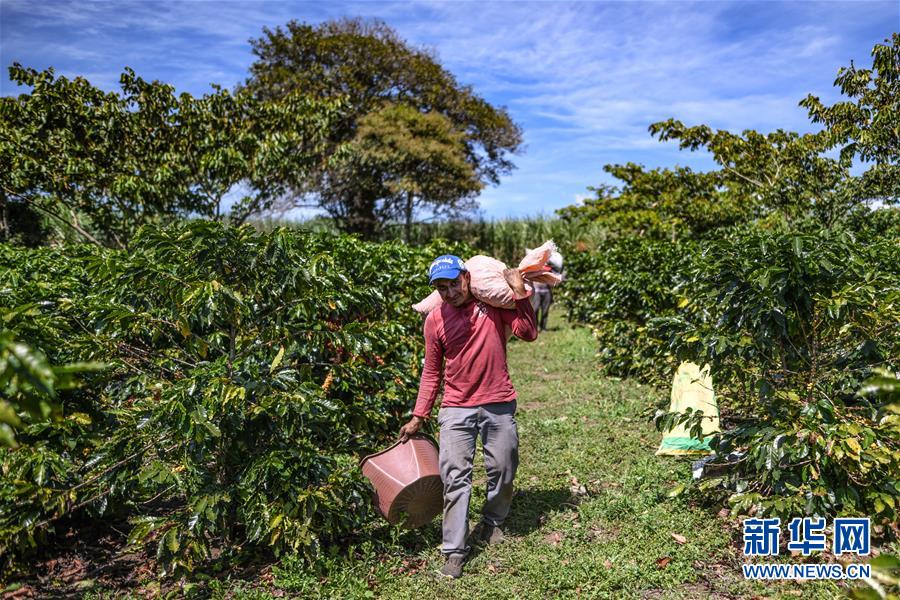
553	538
26	591
663	562
576	488
74	569
679	538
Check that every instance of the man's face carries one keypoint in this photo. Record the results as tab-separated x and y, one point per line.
454	292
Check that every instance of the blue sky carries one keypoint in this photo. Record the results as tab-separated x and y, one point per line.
584	80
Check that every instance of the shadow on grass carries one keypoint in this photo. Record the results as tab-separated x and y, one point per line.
531	508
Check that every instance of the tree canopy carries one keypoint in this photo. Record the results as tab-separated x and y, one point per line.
866	126
660	203
392	157
104	163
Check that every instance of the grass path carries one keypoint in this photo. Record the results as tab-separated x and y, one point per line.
611	538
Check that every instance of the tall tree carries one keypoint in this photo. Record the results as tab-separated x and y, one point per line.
782	172
104	163
413	160
383	79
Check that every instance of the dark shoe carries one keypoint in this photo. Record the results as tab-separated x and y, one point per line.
485	533
453	568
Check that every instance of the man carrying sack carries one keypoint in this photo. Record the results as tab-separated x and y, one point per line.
465	340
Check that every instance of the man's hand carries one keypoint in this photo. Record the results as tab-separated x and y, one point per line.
411	428
515	282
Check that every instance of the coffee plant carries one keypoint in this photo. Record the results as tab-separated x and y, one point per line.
793	325
794	303
617	290
235	380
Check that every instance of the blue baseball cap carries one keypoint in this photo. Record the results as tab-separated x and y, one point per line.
445	267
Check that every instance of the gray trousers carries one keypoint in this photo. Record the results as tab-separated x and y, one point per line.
460	428
540	302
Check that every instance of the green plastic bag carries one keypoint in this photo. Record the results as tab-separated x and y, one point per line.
691	388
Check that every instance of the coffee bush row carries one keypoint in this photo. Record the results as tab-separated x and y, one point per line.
229	383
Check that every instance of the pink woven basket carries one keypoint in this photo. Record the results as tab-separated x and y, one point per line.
407	481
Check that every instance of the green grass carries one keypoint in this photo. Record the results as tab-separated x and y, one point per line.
611	541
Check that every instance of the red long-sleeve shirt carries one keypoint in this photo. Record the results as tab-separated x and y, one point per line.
468	345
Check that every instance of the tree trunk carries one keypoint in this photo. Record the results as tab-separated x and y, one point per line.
361	218
409	215
4	227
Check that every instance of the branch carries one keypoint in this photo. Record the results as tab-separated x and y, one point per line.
146	356
744	177
107	492
77	226
50	213
112	467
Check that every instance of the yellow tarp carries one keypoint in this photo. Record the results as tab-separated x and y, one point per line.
691	388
